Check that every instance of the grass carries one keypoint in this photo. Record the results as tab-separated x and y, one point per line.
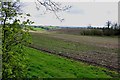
38	29
44	65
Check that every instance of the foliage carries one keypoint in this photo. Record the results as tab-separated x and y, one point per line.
95	32
110	30
14	37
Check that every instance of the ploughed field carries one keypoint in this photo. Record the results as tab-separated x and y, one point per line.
102	51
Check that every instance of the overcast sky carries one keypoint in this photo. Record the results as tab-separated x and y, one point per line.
82	13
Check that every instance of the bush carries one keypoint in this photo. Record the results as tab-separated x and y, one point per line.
94	32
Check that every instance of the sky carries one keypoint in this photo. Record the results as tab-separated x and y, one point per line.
82	13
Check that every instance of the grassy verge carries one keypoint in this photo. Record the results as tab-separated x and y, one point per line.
44	65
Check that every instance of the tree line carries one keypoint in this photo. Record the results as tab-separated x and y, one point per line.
110	29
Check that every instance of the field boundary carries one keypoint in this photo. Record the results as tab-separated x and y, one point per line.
76	59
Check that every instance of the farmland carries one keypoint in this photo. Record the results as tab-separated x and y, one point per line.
100	51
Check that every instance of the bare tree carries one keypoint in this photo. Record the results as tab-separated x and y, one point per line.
115	26
52	6
108	24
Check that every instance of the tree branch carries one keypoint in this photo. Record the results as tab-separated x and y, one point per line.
52	6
